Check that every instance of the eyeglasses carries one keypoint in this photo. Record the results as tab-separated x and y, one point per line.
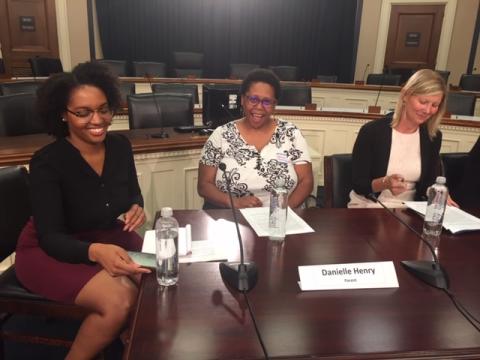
86	115
266	102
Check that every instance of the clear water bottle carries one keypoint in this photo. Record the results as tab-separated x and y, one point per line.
166	242
437	200
278	211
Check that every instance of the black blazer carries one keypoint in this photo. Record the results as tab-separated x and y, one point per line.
371	153
467	194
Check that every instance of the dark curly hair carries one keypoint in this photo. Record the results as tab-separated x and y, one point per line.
264	76
54	95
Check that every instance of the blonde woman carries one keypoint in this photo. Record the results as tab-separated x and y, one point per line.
397	157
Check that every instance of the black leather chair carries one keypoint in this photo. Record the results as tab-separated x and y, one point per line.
14	298
453	165
117	67
17	87
173	88
461	104
149	69
444	74
384	79
337	177
160	110
188	64
18	115
239	71
42	66
327	78
295	95
285	72
470	82
126	89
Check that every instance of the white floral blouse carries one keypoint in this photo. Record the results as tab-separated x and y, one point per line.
253	172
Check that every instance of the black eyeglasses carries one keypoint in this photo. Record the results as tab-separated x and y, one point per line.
266	102
87	114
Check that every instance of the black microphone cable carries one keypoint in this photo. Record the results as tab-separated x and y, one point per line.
243	286
257	331
458	305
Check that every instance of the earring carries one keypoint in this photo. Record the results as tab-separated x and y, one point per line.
63	119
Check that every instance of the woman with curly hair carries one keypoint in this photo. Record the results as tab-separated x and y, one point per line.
74	248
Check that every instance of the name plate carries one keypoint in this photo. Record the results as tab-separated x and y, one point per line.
369	275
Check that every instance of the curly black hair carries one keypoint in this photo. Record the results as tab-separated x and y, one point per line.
54	95
264	76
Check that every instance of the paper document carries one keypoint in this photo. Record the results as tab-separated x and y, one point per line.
455	220
202	250
258	220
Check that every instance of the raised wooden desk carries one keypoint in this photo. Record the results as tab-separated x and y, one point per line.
201	319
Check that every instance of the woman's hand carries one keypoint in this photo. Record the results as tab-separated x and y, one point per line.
451	202
114	260
395	183
134	218
246	202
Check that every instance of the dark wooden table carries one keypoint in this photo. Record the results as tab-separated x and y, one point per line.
201	319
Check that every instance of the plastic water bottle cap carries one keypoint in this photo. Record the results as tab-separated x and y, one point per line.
441	180
166	212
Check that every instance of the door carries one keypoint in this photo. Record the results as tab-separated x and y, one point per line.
413	36
28	28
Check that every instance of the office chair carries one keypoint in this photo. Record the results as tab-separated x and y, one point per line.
461	104
337	177
295	95
17	87
42	66
160	110
327	78
148	69
444	74
188	64
383	79
171	88
126	89
285	73
470	82
18	115
453	165
14	298
240	71
117	67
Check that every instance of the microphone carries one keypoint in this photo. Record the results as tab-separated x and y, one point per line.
240	276
430	272
365	73
162	134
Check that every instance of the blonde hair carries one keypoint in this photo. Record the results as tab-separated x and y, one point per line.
423	82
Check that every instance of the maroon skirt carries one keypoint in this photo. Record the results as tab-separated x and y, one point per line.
57	280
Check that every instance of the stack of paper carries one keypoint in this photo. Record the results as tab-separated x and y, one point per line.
202	250
455	220
258	220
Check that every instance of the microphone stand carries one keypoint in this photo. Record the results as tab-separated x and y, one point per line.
240	276
430	272
162	134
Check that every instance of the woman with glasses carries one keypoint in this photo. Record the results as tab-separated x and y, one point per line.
256	149
74	249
